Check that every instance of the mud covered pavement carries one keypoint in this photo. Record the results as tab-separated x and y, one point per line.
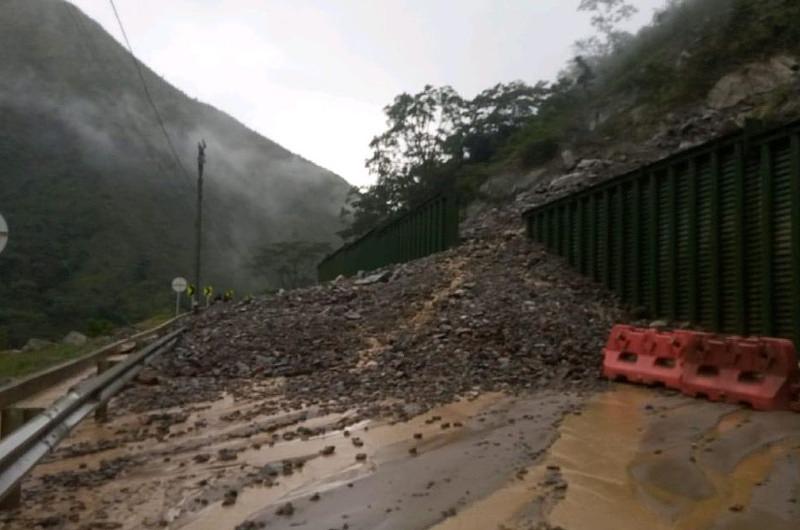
619	458
460	391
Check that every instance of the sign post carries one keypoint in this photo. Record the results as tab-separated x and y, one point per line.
3	233
198	251
179	285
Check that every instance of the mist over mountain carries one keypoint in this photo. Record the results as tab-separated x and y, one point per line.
101	216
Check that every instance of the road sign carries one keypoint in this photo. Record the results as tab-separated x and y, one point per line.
3	233
179	285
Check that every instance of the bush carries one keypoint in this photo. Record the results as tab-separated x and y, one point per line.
537	152
98	327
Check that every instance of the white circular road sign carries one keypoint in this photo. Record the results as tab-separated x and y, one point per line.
179	285
3	233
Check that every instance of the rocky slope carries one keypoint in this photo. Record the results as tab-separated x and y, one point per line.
755	95
496	313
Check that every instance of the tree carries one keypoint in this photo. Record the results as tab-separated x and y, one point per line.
370	206
291	264
496	113
418	141
607	15
432	134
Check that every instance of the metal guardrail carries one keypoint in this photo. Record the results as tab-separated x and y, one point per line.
26	446
27	386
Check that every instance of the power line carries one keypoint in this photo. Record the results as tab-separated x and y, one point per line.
89	46
147	91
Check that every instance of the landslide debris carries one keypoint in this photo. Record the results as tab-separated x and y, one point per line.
495	313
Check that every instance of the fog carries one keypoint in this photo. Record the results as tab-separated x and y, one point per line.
314	75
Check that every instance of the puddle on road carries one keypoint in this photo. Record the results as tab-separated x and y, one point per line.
594	452
617	482
382	442
635	459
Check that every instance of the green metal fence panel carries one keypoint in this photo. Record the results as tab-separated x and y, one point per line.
710	235
603	238
781	230
663	250
728	240
794	153
752	244
628	242
616	238
427	229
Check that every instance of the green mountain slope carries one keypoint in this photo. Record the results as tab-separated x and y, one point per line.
101	218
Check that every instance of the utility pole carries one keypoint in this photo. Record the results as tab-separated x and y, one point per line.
201	161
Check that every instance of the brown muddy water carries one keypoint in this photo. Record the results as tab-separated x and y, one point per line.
627	458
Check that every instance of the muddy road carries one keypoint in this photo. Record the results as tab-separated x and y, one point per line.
620	458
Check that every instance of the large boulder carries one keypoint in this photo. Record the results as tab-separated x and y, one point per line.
505	185
74	338
752	80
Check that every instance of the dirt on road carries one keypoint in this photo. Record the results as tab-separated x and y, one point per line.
620	458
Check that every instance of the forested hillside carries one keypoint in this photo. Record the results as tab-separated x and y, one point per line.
101	216
699	69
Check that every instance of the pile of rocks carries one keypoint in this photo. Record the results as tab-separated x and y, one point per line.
496	313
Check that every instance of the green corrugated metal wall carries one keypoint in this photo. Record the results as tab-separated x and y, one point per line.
710	235
429	228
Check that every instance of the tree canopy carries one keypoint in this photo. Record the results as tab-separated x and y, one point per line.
429	136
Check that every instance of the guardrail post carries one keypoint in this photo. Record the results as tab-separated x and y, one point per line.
11	419
101	412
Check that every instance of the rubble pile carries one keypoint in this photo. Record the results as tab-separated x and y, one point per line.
495	313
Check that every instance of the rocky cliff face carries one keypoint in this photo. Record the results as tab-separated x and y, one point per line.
759	93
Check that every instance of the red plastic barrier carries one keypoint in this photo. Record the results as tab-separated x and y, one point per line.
642	356
758	372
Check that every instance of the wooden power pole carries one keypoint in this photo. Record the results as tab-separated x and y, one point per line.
201	161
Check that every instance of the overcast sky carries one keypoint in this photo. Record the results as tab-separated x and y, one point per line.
314	75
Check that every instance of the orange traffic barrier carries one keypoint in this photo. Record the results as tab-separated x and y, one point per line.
642	356
758	372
